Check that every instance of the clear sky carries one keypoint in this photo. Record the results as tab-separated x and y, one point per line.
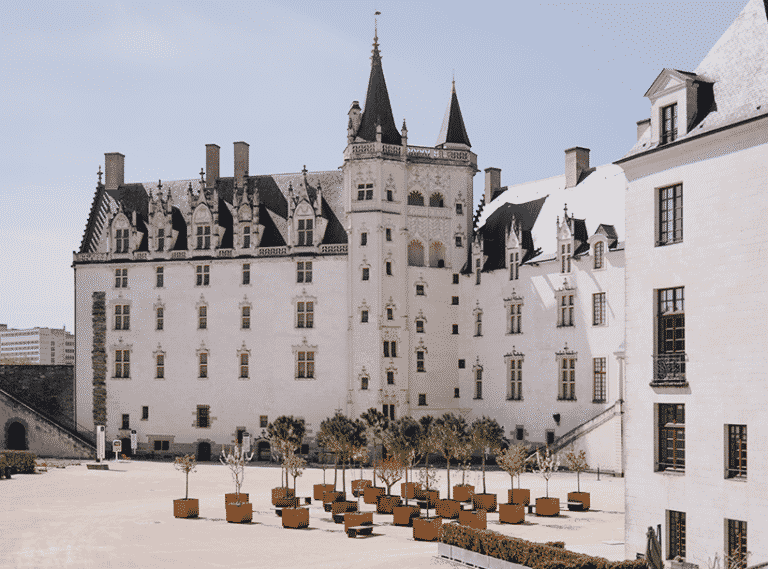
157	81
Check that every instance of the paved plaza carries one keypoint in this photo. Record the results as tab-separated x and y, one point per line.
75	517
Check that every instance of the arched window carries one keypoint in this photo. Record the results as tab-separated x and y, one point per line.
436	200
436	254
415	198
415	254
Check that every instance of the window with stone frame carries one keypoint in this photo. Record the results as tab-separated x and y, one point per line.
671	436
737	451
245	317
599	255
161	239
419	325
566	376
668	124
159	318
676	534
203	236
366	273
459	208
364	316
670	215
565	258
305	364
421	365
736	545
454	328
415	198
390	377
514	265
126	421
515	375
304	271
122	317
598	309
670	356
363	239
436	200
305	314
390	195
478	383
454	301
364	380
388	410
202	317
456	393
202	365
159	277
203	273
390	349
415	253
364	192
598	380
159	366
477	271
145	413
121	278
244	360
263	421
420	290
203	416
388	234
422	399
390	313
246	237
161	444
566	309
388	268
478	323
305	232
122	364
515	316
121	240
246	273
459	241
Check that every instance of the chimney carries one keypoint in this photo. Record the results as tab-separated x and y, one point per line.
642	127
211	164
114	165
576	163
492	183
241	163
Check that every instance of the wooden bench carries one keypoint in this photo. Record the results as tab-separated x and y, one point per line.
365	529
576	506
338	509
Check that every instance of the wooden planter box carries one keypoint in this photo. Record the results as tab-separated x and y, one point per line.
475	520
387	503
463	492
278	493
519	496
240	514
409	488
353	519
186	508
358	487
485	502
448	509
511	513
287	502
426	529
338	509
404	515
232	498
330	497
371	494
547	506
295	518
320	489
582	497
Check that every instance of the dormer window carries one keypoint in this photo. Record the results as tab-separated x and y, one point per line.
121	235
599	255
247	237
565	258
668	123
305	232
203	236
161	239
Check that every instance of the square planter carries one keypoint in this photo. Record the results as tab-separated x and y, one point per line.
359	486
485	502
330	497
582	497
240	514
404	515
186	508
519	496
426	529
232	498
463	492
475	520
408	489
387	503
295	518
448	509
371	494
352	519
547	506
319	489
278	493
286	502
511	513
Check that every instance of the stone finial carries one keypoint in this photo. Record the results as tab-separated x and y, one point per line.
100	174
202	176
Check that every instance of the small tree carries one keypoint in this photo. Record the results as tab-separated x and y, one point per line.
487	436
376	424
360	454
450	431
403	438
186	464
547	464
464	456
428	443
344	436
512	459
576	462
390	471
295	466
285	436
235	460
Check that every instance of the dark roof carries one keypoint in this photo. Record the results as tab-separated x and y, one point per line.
453	130
580	234
610	234
494	231
378	110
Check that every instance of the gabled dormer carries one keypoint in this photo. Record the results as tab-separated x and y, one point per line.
603	240
565	242
160	220
306	224
246	227
515	252
478	256
679	101
121	235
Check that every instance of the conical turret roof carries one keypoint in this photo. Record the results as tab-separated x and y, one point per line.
377	110
453	129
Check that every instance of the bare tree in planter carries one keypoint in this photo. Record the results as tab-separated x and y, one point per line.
428	444
377	424
186	508
449	431
186	464
512	459
390	471
403	438
285	435
344	436
487	436
576	462
327	438
295	465
464	456
547	464
235	460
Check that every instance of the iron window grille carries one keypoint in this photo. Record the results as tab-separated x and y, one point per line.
737	545
598	384
737	451
670	357
676	535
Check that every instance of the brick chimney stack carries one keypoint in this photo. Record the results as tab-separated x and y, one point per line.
211	164
114	166
576	163
241	163
492	183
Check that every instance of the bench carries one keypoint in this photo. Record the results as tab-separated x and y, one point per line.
365	529
576	506
530	508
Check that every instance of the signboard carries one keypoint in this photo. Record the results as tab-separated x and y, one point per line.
246	442
100	443
134	441
117	445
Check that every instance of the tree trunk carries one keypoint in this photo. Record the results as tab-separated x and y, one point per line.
448	469
186	494
406	485
343	475
335	471
484	492
578	483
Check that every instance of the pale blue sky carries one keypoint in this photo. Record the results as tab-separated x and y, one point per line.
157	81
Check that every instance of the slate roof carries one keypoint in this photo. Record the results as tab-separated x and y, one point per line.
453	129
737	65
378	110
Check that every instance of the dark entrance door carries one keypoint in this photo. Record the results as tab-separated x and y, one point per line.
203	452
17	437
263	451
126	447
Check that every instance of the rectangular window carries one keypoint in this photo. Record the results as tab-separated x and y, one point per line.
305	314
737	451
462	364
203	236
388	268
306	365
567	379
159	315
363	239
245	317
514	266
122	317
670	215
366	273
159	277
390	195
160	239
598	381
454	301
737	545
360	192
388	411
516	378
121	278
161	445
305	232
676	531
477	271
160	366
599	252
459	242
202	317
390	377
670	350
455	328
520	432
420	366
304	272
669	124
550	437
516	318
364	382
363	316
122	241
459	209
598	309
145	413
246	273
455	278
203	416
566	310
390	349
247	237
203	275
479	324
122	363
388	234
126	421
478	384
456	393
422	399
244	365
671	437
203	364
369	191
565	258
419	290
263	422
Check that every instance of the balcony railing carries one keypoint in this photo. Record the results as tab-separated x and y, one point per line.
334	249
669	370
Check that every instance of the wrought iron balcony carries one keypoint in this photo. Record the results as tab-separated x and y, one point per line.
669	370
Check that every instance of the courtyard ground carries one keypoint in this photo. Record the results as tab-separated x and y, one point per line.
123	517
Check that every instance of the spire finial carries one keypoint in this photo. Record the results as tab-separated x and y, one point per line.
100	174
202	176
376	55
565	209
453	82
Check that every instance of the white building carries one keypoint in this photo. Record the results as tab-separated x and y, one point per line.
697	385
37	346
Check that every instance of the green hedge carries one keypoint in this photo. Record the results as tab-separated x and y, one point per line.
20	461
535	555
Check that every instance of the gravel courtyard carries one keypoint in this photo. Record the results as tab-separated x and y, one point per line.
75	517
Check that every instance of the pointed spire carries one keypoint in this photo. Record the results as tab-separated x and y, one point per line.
378	110
453	130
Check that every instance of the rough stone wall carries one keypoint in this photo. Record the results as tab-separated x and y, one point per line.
46	388
99	359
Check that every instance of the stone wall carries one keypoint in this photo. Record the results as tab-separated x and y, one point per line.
47	388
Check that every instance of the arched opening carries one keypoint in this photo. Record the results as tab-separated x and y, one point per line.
203	452
263	451
415	198
415	254
436	254
436	200
126	447
16	437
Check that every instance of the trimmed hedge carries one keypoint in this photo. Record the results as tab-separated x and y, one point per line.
20	461
535	555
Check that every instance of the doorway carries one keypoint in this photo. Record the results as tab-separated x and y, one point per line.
203	452
16	437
